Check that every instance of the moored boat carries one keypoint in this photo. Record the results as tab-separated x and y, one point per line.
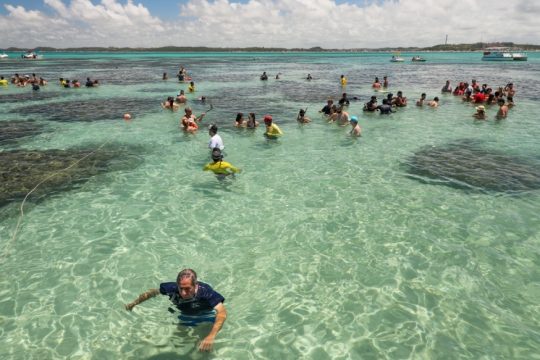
30	55
503	54
3	56
418	59
396	58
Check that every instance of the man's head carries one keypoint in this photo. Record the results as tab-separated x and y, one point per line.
500	102
212	129
187	283
188	111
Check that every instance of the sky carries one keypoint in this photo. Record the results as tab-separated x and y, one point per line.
336	24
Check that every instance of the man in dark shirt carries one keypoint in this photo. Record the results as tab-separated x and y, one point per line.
327	108
344	101
191	297
385	108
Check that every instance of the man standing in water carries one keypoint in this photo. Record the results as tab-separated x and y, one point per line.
193	298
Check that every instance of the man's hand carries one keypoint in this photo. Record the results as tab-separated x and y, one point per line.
206	344
129	306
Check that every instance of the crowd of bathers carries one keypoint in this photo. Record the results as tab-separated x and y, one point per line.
36	82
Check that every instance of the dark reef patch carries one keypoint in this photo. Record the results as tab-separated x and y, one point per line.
10	131
91	110
29	96
465	164
22	170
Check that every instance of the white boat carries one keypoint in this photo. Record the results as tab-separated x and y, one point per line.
503	54
31	56
3	56
396	58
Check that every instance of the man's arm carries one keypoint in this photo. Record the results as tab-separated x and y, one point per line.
206	344
143	297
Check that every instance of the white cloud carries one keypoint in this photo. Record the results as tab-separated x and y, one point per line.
271	23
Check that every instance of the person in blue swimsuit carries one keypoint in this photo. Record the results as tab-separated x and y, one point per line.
197	303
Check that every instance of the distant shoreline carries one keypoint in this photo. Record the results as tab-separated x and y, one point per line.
176	49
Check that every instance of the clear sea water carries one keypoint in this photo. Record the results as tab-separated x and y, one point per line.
323	247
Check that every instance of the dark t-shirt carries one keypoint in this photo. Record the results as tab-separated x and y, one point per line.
326	109
205	299
385	109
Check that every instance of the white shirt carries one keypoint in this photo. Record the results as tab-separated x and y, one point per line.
216	142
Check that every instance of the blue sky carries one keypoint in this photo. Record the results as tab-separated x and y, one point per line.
270	23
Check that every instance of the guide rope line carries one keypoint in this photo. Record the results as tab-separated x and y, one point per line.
19	221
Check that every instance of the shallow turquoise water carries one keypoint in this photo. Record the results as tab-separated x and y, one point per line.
323	247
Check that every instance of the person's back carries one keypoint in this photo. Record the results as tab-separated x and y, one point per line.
385	108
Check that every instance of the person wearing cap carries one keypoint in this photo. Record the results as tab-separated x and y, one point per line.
189	122
196	301
302	118
215	139
356	131
219	167
503	109
480	113
272	130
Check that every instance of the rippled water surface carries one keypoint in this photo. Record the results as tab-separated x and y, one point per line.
325	247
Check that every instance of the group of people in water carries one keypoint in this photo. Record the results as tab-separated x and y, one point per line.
474	93
36	82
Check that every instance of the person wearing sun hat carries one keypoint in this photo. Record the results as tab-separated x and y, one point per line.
272	130
480	113
356	130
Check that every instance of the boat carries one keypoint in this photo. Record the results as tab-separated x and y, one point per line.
418	59
3	56
503	54
396	58
30	55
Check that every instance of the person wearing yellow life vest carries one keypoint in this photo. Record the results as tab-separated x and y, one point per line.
272	130
219	167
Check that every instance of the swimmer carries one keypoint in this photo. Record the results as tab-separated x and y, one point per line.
215	139
170	104
191	297
264	76
76	83
343	80
181	97
342	117
371	105
356	131
385	108
503	109
434	103
344	101
309	77
252	123
327	108
333	116
400	100
164	77
447	88
302	118
420	102
42	81
272	130
189	122
376	84
219	167
240	122
3	82
385	82
480	113
191	87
